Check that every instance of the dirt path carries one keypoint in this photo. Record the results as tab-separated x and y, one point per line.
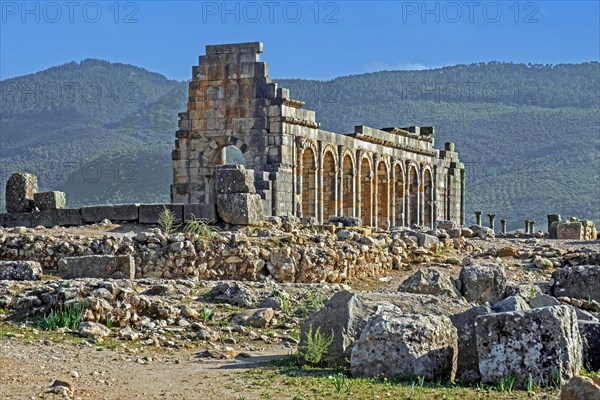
28	368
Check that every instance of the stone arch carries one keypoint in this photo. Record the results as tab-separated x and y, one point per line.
309	182
383	195
399	196
427	198
218	154
347	184
413	195
329	184
366	191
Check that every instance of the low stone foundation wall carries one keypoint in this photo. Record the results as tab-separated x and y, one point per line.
306	257
133	213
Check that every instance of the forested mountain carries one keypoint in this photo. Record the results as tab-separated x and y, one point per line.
529	135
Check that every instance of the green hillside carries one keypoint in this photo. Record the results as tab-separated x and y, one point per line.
529	135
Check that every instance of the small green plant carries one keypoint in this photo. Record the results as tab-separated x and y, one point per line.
341	383
506	384
313	304
166	221
530	386
556	378
109	323
64	317
589	373
316	347
206	314
200	230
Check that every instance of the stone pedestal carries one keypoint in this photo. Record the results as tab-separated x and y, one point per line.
492	217
478	218
503	223
552	228
49	200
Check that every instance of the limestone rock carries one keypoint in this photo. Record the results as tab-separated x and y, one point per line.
93	330
427	241
429	281
511	303
96	266
467	368
507	251
590	336
259	318
234	179
580	282
540	342
240	208
233	293
346	314
49	200
20	190
408	346
483	283
20	270
580	388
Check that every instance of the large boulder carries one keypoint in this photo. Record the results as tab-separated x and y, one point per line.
20	189
511	303
408	346
581	388
483	283
467	367
240	208
234	293
346	314
97	266
580	282
427	241
539	343
590	337
20	270
429	281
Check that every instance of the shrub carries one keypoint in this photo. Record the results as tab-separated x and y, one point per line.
166	221
200	230
316	347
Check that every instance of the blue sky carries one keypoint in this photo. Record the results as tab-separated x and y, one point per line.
302	39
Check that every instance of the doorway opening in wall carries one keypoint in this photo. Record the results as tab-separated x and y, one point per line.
232	155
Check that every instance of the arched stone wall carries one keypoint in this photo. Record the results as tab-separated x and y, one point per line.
366	191
383	196
309	182
349	194
329	184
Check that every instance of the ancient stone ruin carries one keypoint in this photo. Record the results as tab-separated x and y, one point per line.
386	177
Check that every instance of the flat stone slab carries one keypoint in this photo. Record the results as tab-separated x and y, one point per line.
234	179
14	220
122	212
150	213
97	266
60	217
20	271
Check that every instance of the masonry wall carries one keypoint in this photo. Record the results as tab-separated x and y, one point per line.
387	177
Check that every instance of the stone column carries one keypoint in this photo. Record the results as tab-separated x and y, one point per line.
526	226
491	217
478	218
392	199
358	186
531	227
503	223
340	180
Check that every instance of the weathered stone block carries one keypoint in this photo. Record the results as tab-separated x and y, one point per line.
429	281
124	212
49	200
570	230
97	266
541	343
467	367
406	346
580	282
20	270
20	189
149	213
590	337
59	217
14	220
483	283
240	208
234	179
205	211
